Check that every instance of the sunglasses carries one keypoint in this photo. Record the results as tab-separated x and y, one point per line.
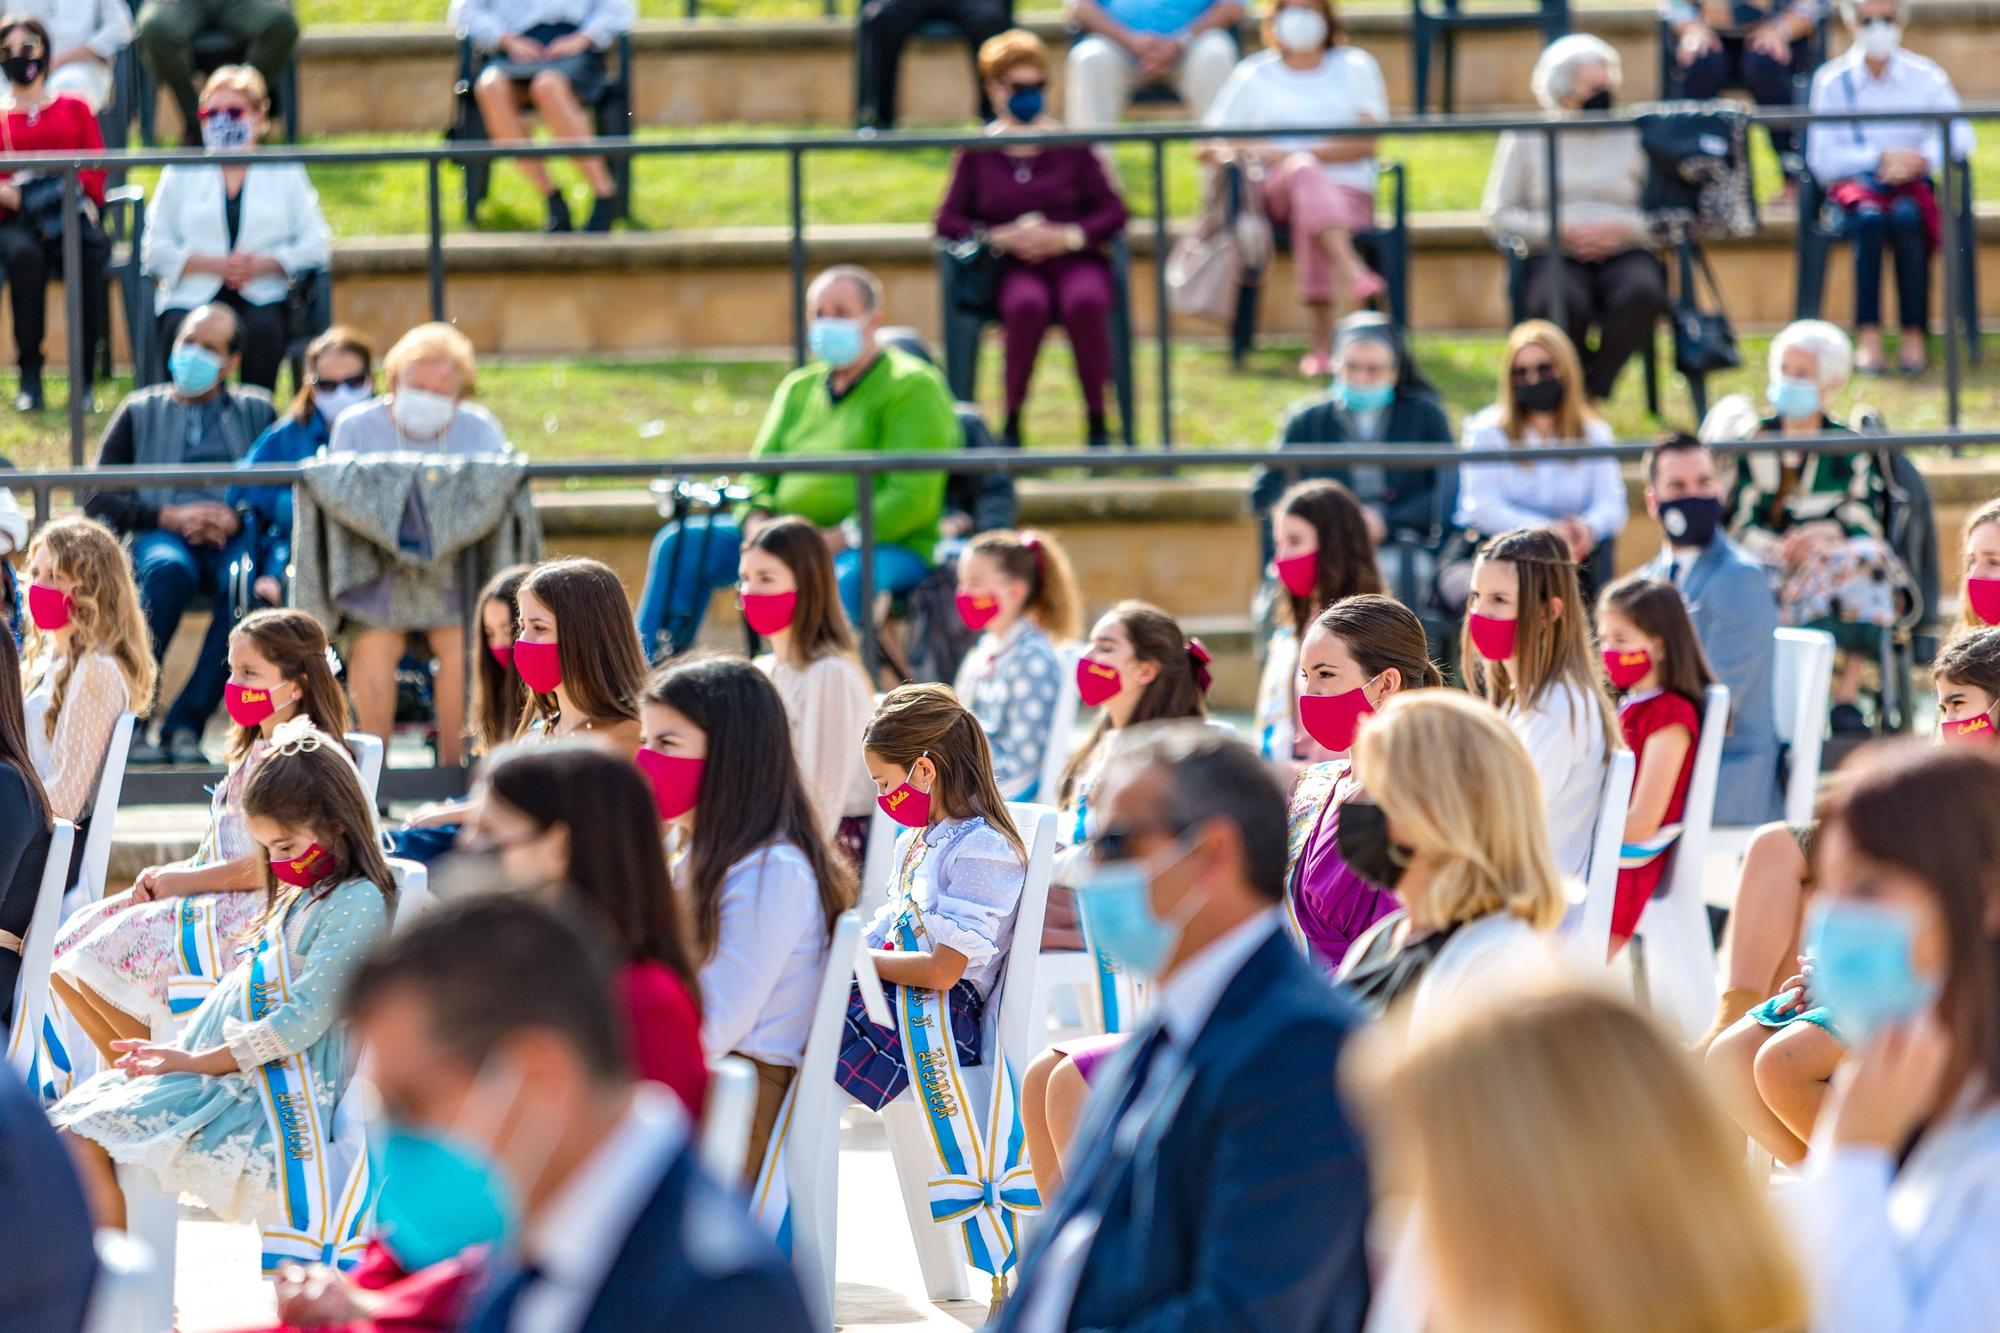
1037	86
21	52
1534	374
359	381
229	113
1115	843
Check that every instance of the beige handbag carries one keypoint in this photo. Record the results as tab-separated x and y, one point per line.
1208	266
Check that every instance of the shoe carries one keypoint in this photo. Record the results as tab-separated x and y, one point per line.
183	747
1316	365
1846	720
558	219
29	399
602	214
146	753
1098	434
1365	287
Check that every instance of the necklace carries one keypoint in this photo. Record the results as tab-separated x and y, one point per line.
1024	168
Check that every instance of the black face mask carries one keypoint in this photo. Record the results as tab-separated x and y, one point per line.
1539	396
1598	101
1691	520
22	70
1362	838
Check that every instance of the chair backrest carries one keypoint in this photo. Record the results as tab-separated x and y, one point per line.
368	757
104	810
1680	954
413	891
1802	682
125	1268
878	862
1062	728
725	1116
1593	938
38	950
812	1139
1020	1037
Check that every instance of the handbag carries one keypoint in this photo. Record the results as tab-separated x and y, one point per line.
41	208
972	275
1703	341
1229	248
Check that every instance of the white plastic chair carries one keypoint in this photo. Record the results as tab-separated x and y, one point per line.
153	1217
124	1267
368	756
1675	951
38	950
726	1115
878	863
413	891
1013	1036
1062	727
1592	938
1801	685
103	812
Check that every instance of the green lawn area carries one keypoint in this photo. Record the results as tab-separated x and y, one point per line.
660	409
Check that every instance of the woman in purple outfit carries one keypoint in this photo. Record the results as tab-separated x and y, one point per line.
1048	213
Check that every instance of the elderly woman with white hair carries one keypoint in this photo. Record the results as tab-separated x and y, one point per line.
1816	518
1613	283
1880	175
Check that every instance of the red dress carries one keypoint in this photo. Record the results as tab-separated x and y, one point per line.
1639	717
65	124
664	1028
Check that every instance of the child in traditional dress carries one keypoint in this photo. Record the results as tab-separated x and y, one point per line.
1016	591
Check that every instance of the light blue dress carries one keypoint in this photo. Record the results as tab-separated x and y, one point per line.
208	1135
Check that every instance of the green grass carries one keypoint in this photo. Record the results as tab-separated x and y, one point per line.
660	409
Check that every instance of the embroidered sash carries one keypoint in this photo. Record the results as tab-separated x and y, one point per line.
318	1209
1119	998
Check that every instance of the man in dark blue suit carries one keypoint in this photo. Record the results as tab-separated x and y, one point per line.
44	1226
490	1025
1216	1181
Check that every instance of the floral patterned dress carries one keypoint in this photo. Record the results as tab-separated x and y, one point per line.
126	951
209	1135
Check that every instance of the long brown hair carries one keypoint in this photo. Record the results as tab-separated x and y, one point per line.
1574	410
1928	810
307	781
819	625
617	860
498	696
1656	610
1177	690
1551	647
14	727
751	795
104	614
596	643
1346	565
1380	634
339	338
919	721
1037	561
296	645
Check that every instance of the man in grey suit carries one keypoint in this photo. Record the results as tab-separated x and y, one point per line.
1735	615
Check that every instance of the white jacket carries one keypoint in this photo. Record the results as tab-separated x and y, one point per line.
280	218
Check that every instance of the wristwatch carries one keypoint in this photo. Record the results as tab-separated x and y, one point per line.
1075	237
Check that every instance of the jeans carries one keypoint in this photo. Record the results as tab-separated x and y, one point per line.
170	574
1768	81
1901	226
886	26
691	560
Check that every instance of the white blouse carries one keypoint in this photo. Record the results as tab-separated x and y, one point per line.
69	762
1564	734
1535	491
966	883
757	989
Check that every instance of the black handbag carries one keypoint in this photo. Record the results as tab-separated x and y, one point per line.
42	207
1703	341
973	272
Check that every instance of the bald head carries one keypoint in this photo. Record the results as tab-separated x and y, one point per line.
214	327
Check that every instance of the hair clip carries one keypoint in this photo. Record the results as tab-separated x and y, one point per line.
1201	656
333	662
296	735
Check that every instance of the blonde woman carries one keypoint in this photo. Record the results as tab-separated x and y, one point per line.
431	375
1569	1176
1542	402
1453	826
87	657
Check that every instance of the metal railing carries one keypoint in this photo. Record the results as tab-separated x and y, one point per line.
795	149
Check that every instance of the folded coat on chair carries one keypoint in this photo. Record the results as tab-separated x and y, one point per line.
379	541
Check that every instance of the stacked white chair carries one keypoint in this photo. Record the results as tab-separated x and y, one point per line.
38	951
124	1267
1674	945
1591	940
368	758
96	863
877	863
726	1116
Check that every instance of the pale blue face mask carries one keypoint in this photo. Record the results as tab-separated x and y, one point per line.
440	1192
1363	398
194	369
838	342
1118	917
1862	966
1793	400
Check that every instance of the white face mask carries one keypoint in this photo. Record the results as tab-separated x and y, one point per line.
332	402
423	414
1299	29
1879	38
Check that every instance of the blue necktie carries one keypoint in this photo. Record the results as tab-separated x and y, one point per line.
498	1315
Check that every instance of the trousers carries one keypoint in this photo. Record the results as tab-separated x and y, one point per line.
1298	195
1900	229
1621	297
164	37
1768	81
171	574
28	261
1100	77
886	26
1074	290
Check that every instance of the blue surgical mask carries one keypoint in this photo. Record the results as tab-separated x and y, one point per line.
1361	397
1118	918
1024	104
194	369
1862	966
439	1196
1793	400
838	342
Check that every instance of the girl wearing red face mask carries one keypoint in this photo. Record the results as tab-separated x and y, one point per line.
1017	591
1322	553
1655	663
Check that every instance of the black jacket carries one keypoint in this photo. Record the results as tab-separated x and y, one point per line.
1411	500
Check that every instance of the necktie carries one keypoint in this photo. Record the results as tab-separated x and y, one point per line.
498	1316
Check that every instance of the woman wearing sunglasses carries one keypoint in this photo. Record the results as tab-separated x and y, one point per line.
340	372
234	231
1543	404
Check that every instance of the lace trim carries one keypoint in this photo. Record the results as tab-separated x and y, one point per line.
255	1044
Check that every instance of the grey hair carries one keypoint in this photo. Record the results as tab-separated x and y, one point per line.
1209	776
1832	353
1555	70
1850	11
865	282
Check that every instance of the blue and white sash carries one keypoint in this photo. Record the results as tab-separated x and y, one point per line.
1633	855
1118	998
201	955
319	1207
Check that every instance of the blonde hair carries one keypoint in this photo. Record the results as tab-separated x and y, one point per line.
1571	1174
433	342
1968	619
1009	51
104	615
1457	785
1574	412
239	79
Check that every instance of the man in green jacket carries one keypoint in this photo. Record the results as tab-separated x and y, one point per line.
854	396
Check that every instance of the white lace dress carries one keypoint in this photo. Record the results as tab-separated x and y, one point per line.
208	1135
70	761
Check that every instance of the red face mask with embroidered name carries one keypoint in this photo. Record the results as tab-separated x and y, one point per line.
304	870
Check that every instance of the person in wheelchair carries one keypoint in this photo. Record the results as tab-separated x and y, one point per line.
549	53
340	372
1045	215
